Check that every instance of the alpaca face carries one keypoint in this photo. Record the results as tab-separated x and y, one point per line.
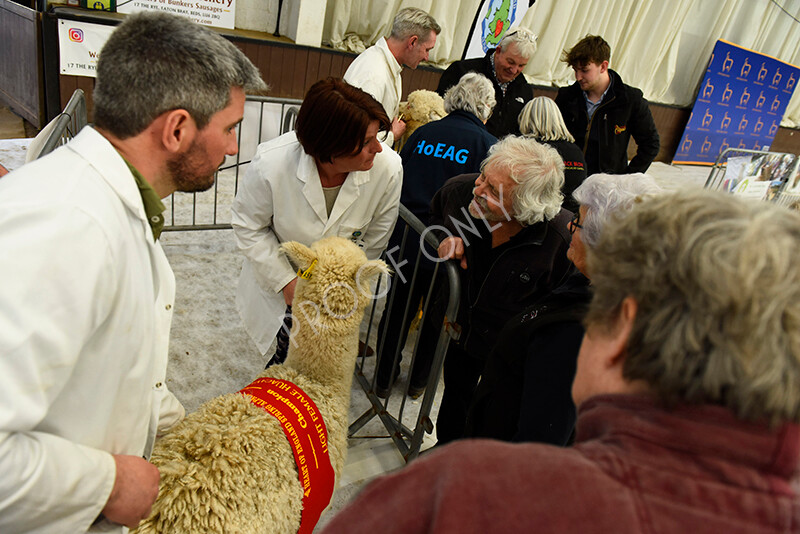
335	280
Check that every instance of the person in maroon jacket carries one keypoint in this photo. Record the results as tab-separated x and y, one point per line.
688	387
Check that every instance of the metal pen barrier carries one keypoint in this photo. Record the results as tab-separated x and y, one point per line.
62	128
407	429
265	118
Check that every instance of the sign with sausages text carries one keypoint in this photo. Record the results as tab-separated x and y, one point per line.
219	13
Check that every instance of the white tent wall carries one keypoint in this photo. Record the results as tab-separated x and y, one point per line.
659	46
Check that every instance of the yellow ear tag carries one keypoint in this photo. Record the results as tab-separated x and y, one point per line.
305	275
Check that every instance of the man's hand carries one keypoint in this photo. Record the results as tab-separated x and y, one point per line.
452	248
288	291
398	127
135	490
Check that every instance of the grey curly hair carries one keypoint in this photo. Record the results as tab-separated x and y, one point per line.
537	170
609	195
473	93
717	289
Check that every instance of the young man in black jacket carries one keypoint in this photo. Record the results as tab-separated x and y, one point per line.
602	113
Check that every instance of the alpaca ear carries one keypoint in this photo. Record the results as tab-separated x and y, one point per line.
301	255
370	271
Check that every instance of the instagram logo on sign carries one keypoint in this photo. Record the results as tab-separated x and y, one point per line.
76	35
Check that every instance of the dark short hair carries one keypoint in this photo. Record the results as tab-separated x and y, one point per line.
334	117
590	49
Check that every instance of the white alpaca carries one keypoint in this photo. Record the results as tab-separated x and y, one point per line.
228	467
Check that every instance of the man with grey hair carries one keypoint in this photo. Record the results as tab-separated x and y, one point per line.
524	392
687	386
377	69
503	65
507	229
435	152
87	307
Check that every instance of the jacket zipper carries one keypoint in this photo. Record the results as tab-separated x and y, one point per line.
589	126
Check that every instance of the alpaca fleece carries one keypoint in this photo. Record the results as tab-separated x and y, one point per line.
228	467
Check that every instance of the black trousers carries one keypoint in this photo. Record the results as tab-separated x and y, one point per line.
395	323
461	374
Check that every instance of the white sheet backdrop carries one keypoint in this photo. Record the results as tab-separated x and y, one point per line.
660	46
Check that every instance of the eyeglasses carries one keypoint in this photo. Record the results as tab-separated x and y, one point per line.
574	224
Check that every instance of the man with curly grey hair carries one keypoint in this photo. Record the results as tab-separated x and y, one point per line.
524	392
503	66
508	231
377	69
87	306
687	386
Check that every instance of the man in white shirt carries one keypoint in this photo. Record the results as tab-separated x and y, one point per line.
87	294
377	69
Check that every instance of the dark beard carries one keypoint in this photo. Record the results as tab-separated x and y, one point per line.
187	170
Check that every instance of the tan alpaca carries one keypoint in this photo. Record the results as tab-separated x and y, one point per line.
228	467
422	107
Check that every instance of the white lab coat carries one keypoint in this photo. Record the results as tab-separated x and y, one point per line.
377	72
86	301
280	199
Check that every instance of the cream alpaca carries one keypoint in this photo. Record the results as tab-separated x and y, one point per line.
422	107
228	467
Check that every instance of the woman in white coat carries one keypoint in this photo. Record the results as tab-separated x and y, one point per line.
332	176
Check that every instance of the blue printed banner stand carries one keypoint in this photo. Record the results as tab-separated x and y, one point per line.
493	20
740	104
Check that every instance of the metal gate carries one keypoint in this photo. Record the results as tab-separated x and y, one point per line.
405	420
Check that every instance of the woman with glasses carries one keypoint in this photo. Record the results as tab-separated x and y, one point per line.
524	392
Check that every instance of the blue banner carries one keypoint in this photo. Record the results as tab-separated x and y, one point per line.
740	104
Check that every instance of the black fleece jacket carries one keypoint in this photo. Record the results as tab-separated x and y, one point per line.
604	139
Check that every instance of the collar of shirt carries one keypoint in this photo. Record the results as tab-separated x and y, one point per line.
503	86
591	107
153	207
390	59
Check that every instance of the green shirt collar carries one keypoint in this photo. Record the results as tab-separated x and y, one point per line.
153	207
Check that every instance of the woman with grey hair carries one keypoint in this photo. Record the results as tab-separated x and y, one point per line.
524	394
435	152
473	94
687	386
456	144
541	119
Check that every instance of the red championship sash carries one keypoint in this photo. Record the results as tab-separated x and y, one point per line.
306	432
